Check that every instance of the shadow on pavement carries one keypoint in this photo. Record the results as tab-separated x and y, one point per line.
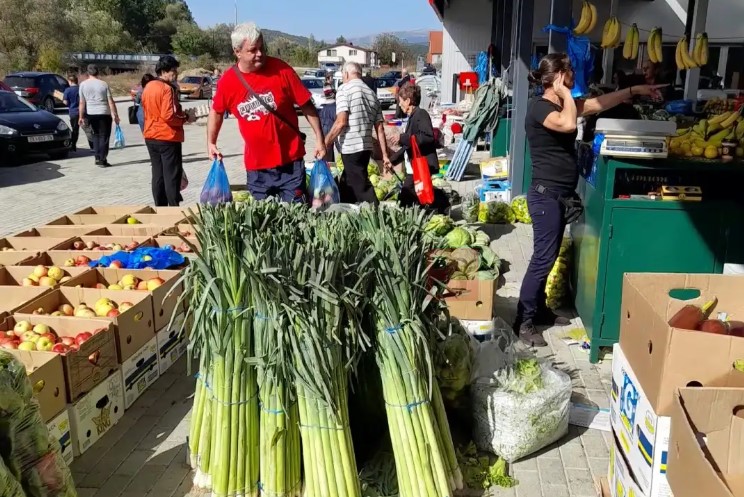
34	172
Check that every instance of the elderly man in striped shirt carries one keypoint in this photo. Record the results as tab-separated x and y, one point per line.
358	114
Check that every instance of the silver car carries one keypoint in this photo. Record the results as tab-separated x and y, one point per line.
315	86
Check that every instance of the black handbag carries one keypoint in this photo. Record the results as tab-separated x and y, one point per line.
132	111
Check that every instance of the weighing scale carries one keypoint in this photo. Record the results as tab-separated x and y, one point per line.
635	138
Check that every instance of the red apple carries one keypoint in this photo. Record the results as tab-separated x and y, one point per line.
125	305
116	264
82	260
69	341
10	334
154	283
66	309
112	313
83	337
60	348
78	245
100	286
142	285
51	336
10	344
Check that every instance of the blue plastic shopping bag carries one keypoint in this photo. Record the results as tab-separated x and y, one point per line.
119	138
581	54
322	185
217	187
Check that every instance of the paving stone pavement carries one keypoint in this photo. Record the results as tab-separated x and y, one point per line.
144	454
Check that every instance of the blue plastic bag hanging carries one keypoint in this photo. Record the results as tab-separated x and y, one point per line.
582	59
322	186
119	141
217	187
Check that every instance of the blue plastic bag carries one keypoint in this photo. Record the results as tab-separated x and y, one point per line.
323	187
119	141
582	59
217	187
143	257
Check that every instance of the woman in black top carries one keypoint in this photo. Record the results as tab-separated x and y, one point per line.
419	125
551	134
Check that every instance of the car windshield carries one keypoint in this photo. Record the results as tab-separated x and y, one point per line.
193	80
10	102
19	82
385	83
313	84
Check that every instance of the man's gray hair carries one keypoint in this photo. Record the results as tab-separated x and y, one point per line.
246	32
353	68
92	70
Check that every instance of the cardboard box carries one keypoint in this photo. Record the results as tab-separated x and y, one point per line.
64	258
665	358
177	242
164	305
602	487
172	343
715	467
133	327
62	231
14	275
86	367
15	297
139	372
16	258
620	477
115	210
125	242
471	299
131	230
643	435
59	429
88	219
47	376
31	243
94	414
182	210
161	219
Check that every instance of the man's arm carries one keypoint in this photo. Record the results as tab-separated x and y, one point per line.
341	123
112	105
82	108
214	124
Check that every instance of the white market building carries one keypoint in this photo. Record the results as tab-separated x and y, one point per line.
346	52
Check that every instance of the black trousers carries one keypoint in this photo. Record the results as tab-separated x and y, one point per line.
167	171
355	186
548	225
101	125
75	129
408	197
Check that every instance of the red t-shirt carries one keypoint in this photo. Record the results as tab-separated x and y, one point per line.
269	142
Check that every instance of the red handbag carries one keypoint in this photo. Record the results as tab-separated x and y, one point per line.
421	175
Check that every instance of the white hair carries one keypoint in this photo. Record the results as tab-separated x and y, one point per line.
404	72
246	32
353	68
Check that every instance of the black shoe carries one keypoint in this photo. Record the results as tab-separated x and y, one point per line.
73	149
106	163
99	163
530	336
549	318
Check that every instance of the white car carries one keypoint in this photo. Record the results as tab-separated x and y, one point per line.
315	86
384	90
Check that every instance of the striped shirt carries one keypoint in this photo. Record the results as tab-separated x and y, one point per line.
364	110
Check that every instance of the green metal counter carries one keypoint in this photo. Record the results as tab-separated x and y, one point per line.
617	236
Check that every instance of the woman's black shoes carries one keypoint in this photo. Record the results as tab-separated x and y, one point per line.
530	336
549	318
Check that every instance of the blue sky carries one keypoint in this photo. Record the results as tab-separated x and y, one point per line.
325	19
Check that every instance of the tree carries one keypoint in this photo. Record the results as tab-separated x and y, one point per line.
97	31
341	40
385	45
190	40
220	42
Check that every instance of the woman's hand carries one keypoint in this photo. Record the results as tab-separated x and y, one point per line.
648	91
394	139
387	166
560	88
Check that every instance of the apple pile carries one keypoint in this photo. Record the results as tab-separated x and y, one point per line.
25	336
131	282
116	247
103	308
45	276
183	248
79	261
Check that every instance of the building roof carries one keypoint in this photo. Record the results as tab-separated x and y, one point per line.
348	45
436	42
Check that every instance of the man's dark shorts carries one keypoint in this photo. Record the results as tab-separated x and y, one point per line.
287	183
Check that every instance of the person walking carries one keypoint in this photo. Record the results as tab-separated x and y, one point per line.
98	107
71	98
327	116
261	92
551	199
164	135
138	100
358	114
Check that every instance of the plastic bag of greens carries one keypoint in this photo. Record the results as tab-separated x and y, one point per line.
9	486
495	213
470	208
519	206
322	186
28	451
521	409
454	365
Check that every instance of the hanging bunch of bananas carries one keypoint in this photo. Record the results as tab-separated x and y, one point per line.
682	56
588	19
700	52
630	48
611	33
653	46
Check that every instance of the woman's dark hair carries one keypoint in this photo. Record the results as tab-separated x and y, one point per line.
167	63
410	91
548	68
146	79
622	79
72	78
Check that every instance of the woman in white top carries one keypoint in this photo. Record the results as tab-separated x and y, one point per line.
97	106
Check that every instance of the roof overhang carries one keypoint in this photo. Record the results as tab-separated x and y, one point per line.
438	6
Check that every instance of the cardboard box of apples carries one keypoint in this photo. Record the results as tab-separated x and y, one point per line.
177	243
160	284
129	310
43	276
87	346
99	243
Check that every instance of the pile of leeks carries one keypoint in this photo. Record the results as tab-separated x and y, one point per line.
280	301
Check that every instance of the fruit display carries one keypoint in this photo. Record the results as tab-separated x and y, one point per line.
705	138
79	261
103	308
720	105
47	276
183	248
40	337
701	52
131	282
132	220
588	19
611	33
653	46
93	245
682	56
630	47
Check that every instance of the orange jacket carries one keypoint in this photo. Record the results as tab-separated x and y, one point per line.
164	118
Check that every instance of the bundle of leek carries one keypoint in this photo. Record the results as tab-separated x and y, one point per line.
422	444
224	439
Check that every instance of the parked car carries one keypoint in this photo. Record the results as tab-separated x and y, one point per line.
5	87
195	87
429	70
394	75
315	73
330	67
38	88
27	129
315	86
385	93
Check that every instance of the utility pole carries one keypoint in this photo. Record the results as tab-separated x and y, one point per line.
236	12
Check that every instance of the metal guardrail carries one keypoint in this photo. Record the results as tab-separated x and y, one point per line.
115	57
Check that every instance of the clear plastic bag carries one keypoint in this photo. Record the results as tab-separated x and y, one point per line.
322	186
217	186
119	141
470	208
29	454
514	425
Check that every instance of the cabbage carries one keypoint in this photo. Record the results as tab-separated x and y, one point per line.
486	275
374	179
459	237
490	260
481	239
495	213
372	169
467	261
439	225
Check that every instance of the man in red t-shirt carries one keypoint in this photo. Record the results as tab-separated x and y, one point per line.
274	147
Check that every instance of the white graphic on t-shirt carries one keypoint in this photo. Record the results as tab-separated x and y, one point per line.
252	109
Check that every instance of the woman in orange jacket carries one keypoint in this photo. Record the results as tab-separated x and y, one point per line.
164	136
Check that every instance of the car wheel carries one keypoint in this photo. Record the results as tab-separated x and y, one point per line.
59	155
48	104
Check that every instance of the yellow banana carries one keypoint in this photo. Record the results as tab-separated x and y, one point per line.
593	23
606	31
657	46
585	19
718	138
617	33
628	45
650	45
730	121
685	54
740	130
698	46
678	57
719	118
704	51
634	49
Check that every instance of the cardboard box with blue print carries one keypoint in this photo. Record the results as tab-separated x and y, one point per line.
59	429
139	372
620	477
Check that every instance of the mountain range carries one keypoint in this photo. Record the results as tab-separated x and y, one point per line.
412	37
